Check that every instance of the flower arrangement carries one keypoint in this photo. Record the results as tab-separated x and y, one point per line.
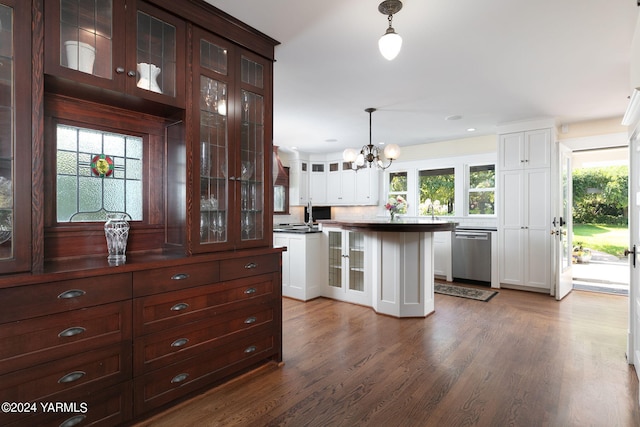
395	205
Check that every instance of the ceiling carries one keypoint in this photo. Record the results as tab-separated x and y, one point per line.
491	62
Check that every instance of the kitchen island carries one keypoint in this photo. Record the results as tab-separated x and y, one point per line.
402	260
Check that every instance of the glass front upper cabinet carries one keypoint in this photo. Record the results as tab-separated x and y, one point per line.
15	137
127	46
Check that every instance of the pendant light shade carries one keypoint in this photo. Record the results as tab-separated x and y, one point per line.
390	43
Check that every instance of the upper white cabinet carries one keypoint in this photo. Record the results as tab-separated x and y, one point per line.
332	182
530	149
299	183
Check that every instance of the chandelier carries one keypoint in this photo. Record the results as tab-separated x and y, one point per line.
370	154
390	42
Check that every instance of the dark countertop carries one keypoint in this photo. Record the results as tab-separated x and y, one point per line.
399	225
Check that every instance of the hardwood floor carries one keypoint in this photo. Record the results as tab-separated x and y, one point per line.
521	359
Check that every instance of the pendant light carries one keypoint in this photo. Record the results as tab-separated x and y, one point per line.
390	42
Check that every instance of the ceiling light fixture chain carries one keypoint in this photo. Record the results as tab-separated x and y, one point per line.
370	154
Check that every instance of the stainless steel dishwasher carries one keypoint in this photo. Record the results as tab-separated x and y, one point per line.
471	252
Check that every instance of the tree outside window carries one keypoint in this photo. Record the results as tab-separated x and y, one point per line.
437	191
482	191
398	187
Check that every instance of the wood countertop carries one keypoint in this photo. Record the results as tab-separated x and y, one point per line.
399	225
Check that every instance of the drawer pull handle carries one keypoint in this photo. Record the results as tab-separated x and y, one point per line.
251	320
180	276
70	332
71	377
250	291
179	342
180	306
73	421
250	349
250	265
179	378
71	293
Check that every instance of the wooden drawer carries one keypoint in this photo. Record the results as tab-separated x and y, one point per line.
249	266
163	348
102	407
159	312
25	302
167	279
96	369
162	386
34	341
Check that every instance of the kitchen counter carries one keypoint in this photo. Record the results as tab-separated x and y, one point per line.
402	260
397	226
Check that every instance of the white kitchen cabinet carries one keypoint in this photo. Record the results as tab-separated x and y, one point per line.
318	183
525	210
442	265
348	272
304	264
341	183
366	182
299	183
530	149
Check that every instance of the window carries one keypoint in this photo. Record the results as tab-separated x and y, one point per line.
97	172
482	192
436	189
398	187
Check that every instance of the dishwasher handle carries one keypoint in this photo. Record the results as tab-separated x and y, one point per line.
471	235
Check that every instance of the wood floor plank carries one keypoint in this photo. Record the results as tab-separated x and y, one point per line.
522	359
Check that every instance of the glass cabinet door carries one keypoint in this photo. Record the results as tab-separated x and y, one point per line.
213	143
252	152
15	173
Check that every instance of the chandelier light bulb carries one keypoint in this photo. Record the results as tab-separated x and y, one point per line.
392	151
349	155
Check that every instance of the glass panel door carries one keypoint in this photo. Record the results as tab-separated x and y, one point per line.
356	261
335	259
214	145
252	154
7	132
86	36
156	55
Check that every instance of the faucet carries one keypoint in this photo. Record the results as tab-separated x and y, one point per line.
310	212
433	214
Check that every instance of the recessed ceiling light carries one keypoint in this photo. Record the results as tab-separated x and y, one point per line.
331	140
453	117
471	130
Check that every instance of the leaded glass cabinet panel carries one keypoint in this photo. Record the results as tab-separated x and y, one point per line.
15	141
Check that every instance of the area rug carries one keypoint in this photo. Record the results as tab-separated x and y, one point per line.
464	292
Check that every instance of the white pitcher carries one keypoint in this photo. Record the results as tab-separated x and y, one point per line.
148	74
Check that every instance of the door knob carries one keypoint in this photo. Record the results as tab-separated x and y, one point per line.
627	252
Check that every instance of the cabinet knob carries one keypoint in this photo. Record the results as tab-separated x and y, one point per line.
180	306
119	70
250	349
250	320
71	377
73	421
180	276
250	265
250	291
131	73
70	332
71	293
179	378
180	342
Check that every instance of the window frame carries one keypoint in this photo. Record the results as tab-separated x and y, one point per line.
468	190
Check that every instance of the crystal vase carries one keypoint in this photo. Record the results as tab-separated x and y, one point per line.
116	230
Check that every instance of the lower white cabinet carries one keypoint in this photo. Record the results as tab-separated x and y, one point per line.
304	271
348	271
442	265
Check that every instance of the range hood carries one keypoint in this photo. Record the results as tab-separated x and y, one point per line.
280	176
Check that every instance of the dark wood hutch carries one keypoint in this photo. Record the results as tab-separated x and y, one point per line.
177	96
